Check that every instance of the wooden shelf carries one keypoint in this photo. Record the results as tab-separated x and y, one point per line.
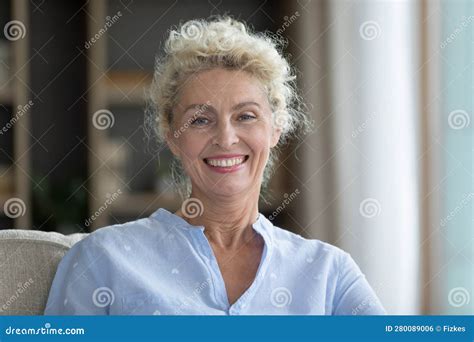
3	198
127	87
14	92
6	95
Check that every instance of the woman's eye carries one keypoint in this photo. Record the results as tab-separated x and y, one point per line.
246	117
199	121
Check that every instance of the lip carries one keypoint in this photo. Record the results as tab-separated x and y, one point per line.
234	168
225	156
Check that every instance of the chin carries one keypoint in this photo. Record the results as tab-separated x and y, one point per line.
228	189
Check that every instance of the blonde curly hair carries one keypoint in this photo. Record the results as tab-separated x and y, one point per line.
223	42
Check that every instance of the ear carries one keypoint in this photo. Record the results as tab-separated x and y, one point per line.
170	141
275	137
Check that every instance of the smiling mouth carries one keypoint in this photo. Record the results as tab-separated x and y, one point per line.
226	162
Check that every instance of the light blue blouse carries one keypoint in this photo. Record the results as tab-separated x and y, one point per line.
164	265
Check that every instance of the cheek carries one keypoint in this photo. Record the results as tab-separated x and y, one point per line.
258	139
190	146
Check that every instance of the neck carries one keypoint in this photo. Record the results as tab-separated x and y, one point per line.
227	221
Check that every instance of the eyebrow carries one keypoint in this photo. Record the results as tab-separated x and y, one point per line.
238	106
244	104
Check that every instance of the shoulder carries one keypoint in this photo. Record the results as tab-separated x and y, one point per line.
295	243
114	239
134	239
342	274
313	253
113	234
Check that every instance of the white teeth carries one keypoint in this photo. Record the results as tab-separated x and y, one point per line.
225	162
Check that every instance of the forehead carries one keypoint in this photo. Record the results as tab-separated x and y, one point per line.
221	87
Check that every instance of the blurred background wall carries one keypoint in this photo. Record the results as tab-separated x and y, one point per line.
386	173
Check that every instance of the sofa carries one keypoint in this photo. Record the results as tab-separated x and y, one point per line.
28	263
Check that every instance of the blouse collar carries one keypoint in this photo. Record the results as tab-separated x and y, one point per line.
262	225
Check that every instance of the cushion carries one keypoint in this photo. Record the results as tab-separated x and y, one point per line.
28	263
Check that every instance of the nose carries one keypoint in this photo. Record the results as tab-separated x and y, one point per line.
225	135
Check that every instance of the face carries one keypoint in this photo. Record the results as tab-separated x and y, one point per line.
222	132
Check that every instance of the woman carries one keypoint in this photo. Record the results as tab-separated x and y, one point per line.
224	100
